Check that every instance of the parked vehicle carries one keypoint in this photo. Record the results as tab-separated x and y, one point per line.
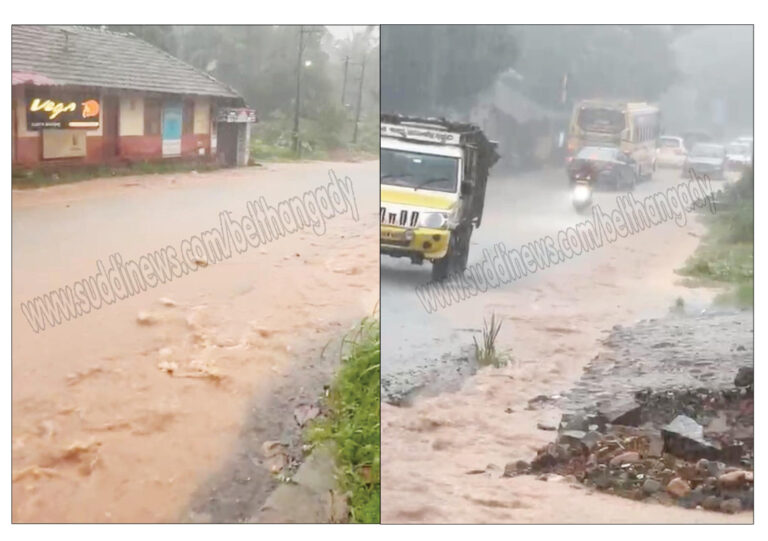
692	138
433	178
603	167
738	155
671	151
706	159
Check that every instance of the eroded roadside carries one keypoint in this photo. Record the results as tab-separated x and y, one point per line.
444	456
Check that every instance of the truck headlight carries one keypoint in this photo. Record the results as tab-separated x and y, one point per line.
434	220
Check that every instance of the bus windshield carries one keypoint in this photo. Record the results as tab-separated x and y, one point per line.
419	171
601	120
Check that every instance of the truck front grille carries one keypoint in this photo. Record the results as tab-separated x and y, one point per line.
403	218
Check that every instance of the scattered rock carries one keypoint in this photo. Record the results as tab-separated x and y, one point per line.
657	448
627	413
733	479
629	457
591	439
732	505
515	468
679	488
651	486
684	437
745	377
711	503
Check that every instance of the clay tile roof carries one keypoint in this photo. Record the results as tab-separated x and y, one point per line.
72	55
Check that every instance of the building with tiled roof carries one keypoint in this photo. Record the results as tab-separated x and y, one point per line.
87	95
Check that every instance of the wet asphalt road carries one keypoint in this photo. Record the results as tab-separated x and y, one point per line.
432	352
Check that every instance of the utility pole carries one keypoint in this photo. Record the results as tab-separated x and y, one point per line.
359	99
344	85
296	145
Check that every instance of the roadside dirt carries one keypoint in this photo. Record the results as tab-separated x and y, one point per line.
434	452
103	431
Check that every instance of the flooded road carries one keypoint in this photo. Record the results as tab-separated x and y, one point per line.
553	322
122	414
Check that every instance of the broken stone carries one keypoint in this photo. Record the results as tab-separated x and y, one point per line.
679	488
571	421
732	505
733	479
544	425
537	401
572	438
600	476
651	486
629	457
684	437
627	413
591	439
711	503
514	468
745	377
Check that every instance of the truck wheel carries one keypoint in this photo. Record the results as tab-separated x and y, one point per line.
455	260
441	268
461	249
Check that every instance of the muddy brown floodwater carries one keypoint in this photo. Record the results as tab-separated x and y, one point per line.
435	451
101	432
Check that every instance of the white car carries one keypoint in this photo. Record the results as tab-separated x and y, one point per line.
671	152
738	155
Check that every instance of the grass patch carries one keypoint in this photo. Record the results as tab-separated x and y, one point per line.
725	255
41	178
485	352
353	422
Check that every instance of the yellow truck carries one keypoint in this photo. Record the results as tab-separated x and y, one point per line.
433	178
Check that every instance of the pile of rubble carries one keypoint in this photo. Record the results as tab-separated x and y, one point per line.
689	447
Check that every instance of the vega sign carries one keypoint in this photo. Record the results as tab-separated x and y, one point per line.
52	113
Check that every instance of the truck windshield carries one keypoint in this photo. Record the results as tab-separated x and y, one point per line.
419	171
601	120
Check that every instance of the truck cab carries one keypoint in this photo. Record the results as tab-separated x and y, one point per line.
433	176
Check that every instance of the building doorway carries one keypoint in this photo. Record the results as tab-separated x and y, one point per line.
226	142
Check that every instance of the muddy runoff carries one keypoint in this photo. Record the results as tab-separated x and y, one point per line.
137	411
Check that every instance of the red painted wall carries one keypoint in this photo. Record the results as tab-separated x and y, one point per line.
28	151
190	143
140	146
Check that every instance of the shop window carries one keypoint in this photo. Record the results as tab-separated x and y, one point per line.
152	117
188	118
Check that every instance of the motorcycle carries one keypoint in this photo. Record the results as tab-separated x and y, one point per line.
581	195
